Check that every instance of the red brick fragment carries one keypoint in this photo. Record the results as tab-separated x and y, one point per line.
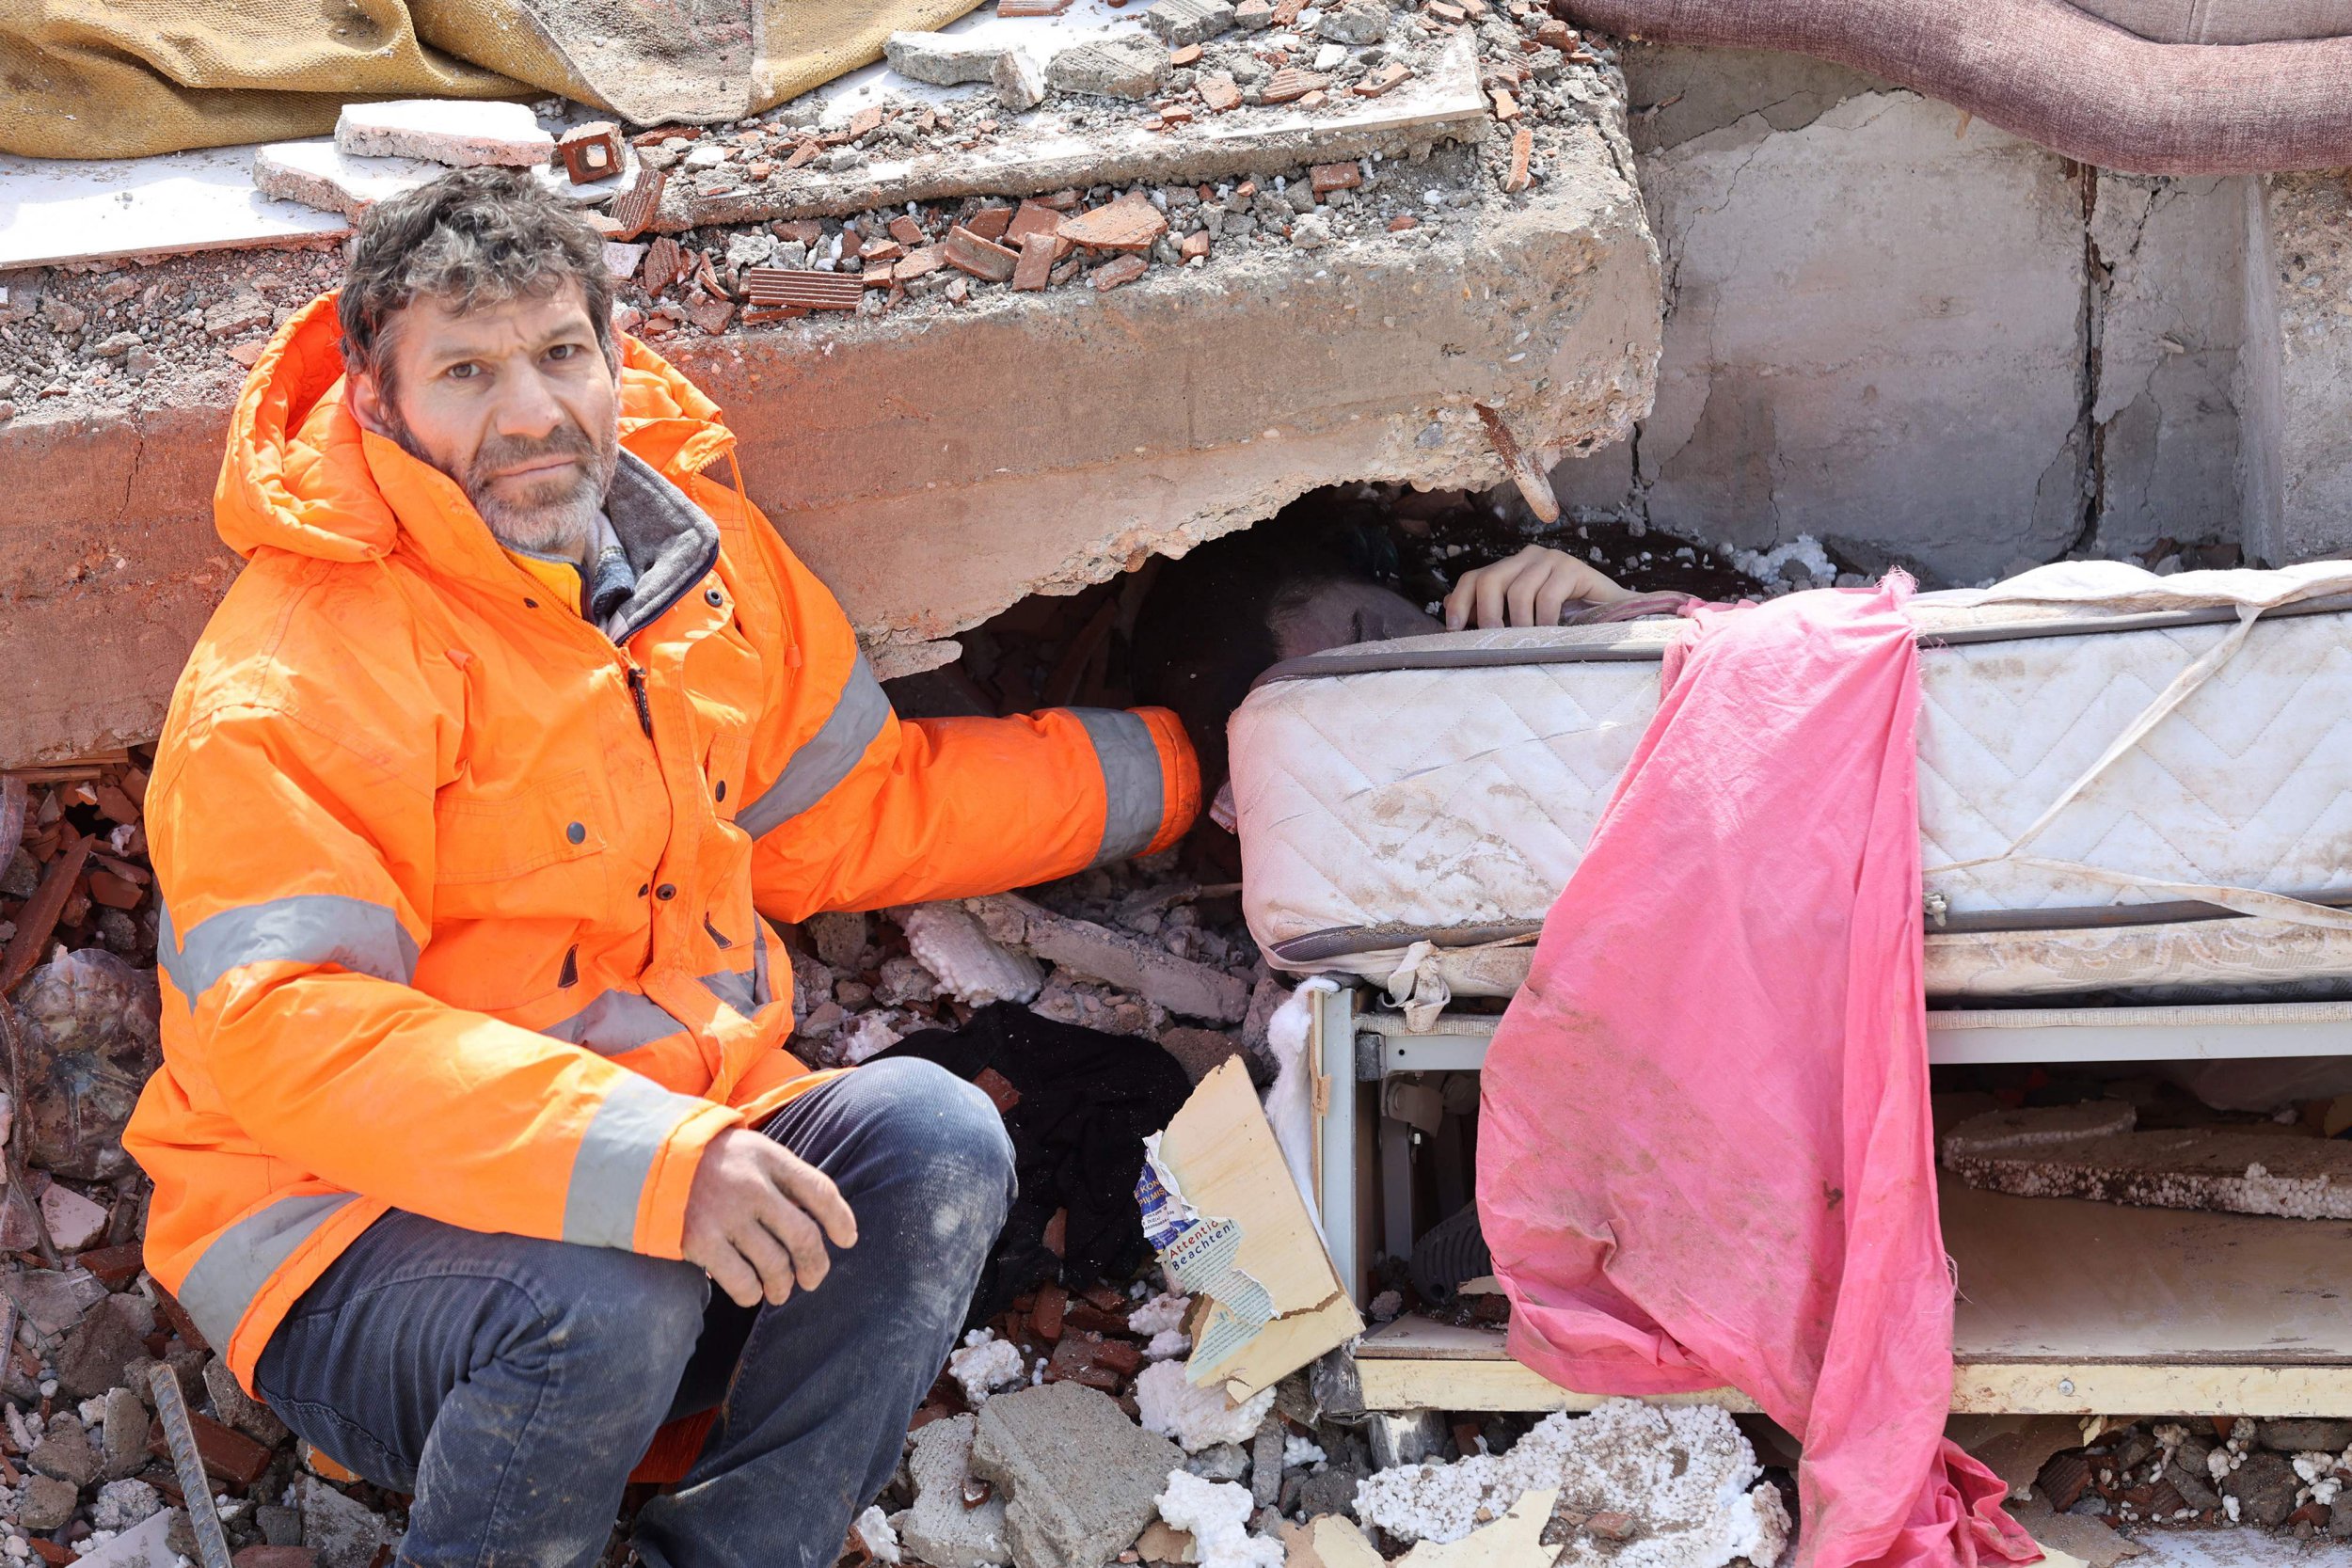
711	315
805	231
864	123
229	1454
634	208
878	277
1286	11
1313	101
1291	83
660	133
1188	55
804	153
1074	1360
1177	115
259	1556
665	260
1552	32
590	151
1610	1525
1444	12
764	315
760	168
114	1266
49	1551
1218	92
1326	177
1466	1438
904	230
989	223
1128	224
1033	218
1194	245
1522	148
112	892
1062	201
1036	261
888	251
929	258
999	1090
1507	107
1045	1316
1103	1298
808	291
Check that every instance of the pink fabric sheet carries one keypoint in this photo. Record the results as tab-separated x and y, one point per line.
1705	1154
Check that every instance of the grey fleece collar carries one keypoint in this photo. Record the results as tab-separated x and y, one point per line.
670	543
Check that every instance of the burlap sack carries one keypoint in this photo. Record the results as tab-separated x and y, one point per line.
124	78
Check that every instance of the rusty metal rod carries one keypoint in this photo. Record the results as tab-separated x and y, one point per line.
212	1546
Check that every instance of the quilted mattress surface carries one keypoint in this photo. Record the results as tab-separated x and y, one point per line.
1443	788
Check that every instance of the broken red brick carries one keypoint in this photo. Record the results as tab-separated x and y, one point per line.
1057	1232
1444	12
1075	1361
878	277
999	1090
706	277
114	1266
1128	224
1036	262
1218	92
864	123
1188	55
1065	272
711	315
806	291
1286	11
888	251
1326	177
989	223
1177	115
1507	107
1291	83
1103	1298
805	231
1123	1356
1611	1526
904	230
804	153
660	133
1045	1315
1522	148
927	258
633	209
1313	101
1062	201
1476	8
958	291
1194	245
228	1453
590	151
112	892
977	1491
1034	217
2064	1479
760	168
1552	32
665	259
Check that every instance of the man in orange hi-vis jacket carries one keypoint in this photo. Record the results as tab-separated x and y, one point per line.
470	811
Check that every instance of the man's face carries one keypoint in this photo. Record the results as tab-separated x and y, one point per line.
513	400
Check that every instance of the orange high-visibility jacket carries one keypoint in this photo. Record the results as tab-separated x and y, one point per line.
459	895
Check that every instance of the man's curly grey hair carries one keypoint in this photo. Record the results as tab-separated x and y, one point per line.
473	237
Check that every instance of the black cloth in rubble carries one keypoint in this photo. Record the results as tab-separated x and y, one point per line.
1087	1100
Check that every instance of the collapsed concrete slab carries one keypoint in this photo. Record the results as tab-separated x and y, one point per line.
934	465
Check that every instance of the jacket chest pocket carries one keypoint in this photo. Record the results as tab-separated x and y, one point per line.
519	849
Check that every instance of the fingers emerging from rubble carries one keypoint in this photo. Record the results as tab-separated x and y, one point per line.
1529	589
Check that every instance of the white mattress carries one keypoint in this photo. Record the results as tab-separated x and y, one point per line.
1382	800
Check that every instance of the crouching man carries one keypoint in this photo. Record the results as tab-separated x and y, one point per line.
473	806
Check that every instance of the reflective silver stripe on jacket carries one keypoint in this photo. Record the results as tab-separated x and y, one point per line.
303	927
233	1269
827	757
747	991
608	1174
614	1021
1135	792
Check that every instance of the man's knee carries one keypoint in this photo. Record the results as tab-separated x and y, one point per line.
616	1312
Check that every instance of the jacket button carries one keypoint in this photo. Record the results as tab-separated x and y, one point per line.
667	890
531	604
575	833
643	888
719	791
715	596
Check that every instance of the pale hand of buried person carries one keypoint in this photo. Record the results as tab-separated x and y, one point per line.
753	1218
1529	589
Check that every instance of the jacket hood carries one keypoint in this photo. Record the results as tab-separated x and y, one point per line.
301	475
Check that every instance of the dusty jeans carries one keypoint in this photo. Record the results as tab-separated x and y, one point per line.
511	1384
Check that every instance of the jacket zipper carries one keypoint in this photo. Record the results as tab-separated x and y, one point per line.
637	691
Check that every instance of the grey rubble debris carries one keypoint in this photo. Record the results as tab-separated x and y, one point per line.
1181	21
455	131
943	59
1180	986
345	1532
1083	1479
942	1529
2201	1167
1130	67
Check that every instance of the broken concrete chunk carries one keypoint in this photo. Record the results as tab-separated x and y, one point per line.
103	1344
1180	986
320	174
46	1503
344	1533
970	966
941	1528
1020	81
840	939
943	59
89	1046
1183	21
66	1453
453	131
1130	67
1710	1508
1356	22
1083	1479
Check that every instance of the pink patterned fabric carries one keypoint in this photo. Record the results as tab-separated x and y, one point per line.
1705	1155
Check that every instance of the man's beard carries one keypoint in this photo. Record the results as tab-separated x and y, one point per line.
553	514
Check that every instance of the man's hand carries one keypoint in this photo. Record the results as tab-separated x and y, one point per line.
1530	589
753	1214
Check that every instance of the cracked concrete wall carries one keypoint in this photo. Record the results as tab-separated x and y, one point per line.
2298	365
1893	327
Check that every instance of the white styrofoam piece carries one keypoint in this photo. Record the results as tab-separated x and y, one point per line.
56	210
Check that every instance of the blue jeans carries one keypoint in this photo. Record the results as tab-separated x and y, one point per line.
511	1385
